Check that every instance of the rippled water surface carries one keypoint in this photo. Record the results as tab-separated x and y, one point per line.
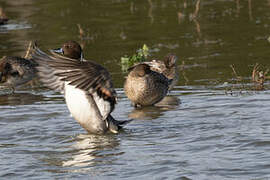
214	125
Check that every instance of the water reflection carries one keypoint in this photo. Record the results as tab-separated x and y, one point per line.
90	150
154	112
214	133
23	98
9	27
238	7
169	102
250	10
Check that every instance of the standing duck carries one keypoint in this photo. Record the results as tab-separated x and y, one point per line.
167	67
145	87
87	86
16	71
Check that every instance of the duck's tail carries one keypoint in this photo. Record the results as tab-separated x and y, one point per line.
114	125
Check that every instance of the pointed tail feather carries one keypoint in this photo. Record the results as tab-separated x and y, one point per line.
114	125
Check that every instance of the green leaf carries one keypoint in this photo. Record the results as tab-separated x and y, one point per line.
124	60
140	56
145	50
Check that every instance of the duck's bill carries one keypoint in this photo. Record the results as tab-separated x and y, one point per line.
59	50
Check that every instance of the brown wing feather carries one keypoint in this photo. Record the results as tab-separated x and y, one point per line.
86	75
47	74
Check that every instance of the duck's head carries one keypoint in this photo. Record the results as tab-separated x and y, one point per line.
140	70
70	49
170	60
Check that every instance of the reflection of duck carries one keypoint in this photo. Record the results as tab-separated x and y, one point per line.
20	99
85	151
16	71
153	112
168	67
88	88
145	87
169	102
149	112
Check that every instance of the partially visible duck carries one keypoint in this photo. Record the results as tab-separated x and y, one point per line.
167	67
145	87
3	17
87	86
16	71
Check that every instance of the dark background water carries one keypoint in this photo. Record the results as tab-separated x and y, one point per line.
220	130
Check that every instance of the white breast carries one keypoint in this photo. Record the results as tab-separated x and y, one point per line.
86	113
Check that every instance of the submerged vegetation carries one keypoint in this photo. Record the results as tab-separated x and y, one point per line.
239	86
259	76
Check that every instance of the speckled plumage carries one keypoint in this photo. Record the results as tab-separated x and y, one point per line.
145	87
168	68
16	71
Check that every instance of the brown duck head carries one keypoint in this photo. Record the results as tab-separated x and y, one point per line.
70	49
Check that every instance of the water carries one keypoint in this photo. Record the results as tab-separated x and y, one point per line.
211	126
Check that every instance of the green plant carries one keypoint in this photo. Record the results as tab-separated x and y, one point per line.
140	56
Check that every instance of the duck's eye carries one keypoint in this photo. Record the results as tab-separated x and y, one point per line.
69	46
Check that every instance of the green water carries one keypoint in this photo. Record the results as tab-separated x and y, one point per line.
221	34
210	135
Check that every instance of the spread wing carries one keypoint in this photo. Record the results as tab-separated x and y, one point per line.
45	72
54	70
